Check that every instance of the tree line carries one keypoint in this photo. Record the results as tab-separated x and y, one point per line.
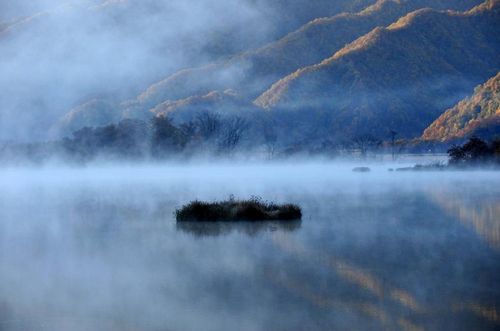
262	135
159	138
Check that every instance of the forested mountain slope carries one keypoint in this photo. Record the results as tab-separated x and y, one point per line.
477	114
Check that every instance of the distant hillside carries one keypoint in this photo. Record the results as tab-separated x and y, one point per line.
252	72
478	113
96	112
322	37
227	102
400	77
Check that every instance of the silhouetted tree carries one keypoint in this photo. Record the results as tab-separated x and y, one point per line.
270	139
105	137
365	142
456	155
495	147
231	134
474	152
133	138
476	149
167	139
83	145
188	129
208	125
393	135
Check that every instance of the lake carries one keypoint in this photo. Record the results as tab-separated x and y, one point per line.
98	248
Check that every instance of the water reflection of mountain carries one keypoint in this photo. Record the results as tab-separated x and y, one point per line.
480	213
213	229
374	294
396	261
351	288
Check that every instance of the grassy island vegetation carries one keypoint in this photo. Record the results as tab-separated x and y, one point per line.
232	210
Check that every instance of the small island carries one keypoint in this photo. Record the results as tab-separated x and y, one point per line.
252	210
361	169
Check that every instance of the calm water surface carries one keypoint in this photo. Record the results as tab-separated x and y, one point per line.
99	249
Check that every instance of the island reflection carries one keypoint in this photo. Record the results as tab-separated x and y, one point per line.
215	229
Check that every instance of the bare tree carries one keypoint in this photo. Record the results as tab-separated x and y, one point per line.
188	128
270	140
231	134
393	135
208	125
365	142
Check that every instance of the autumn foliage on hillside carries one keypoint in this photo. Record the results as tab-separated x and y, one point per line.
477	113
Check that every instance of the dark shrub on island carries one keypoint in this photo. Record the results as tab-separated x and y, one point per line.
237	210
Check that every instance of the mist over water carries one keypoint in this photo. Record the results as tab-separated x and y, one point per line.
99	248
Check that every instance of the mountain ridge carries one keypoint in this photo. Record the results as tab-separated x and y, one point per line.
360	43
282	57
414	47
